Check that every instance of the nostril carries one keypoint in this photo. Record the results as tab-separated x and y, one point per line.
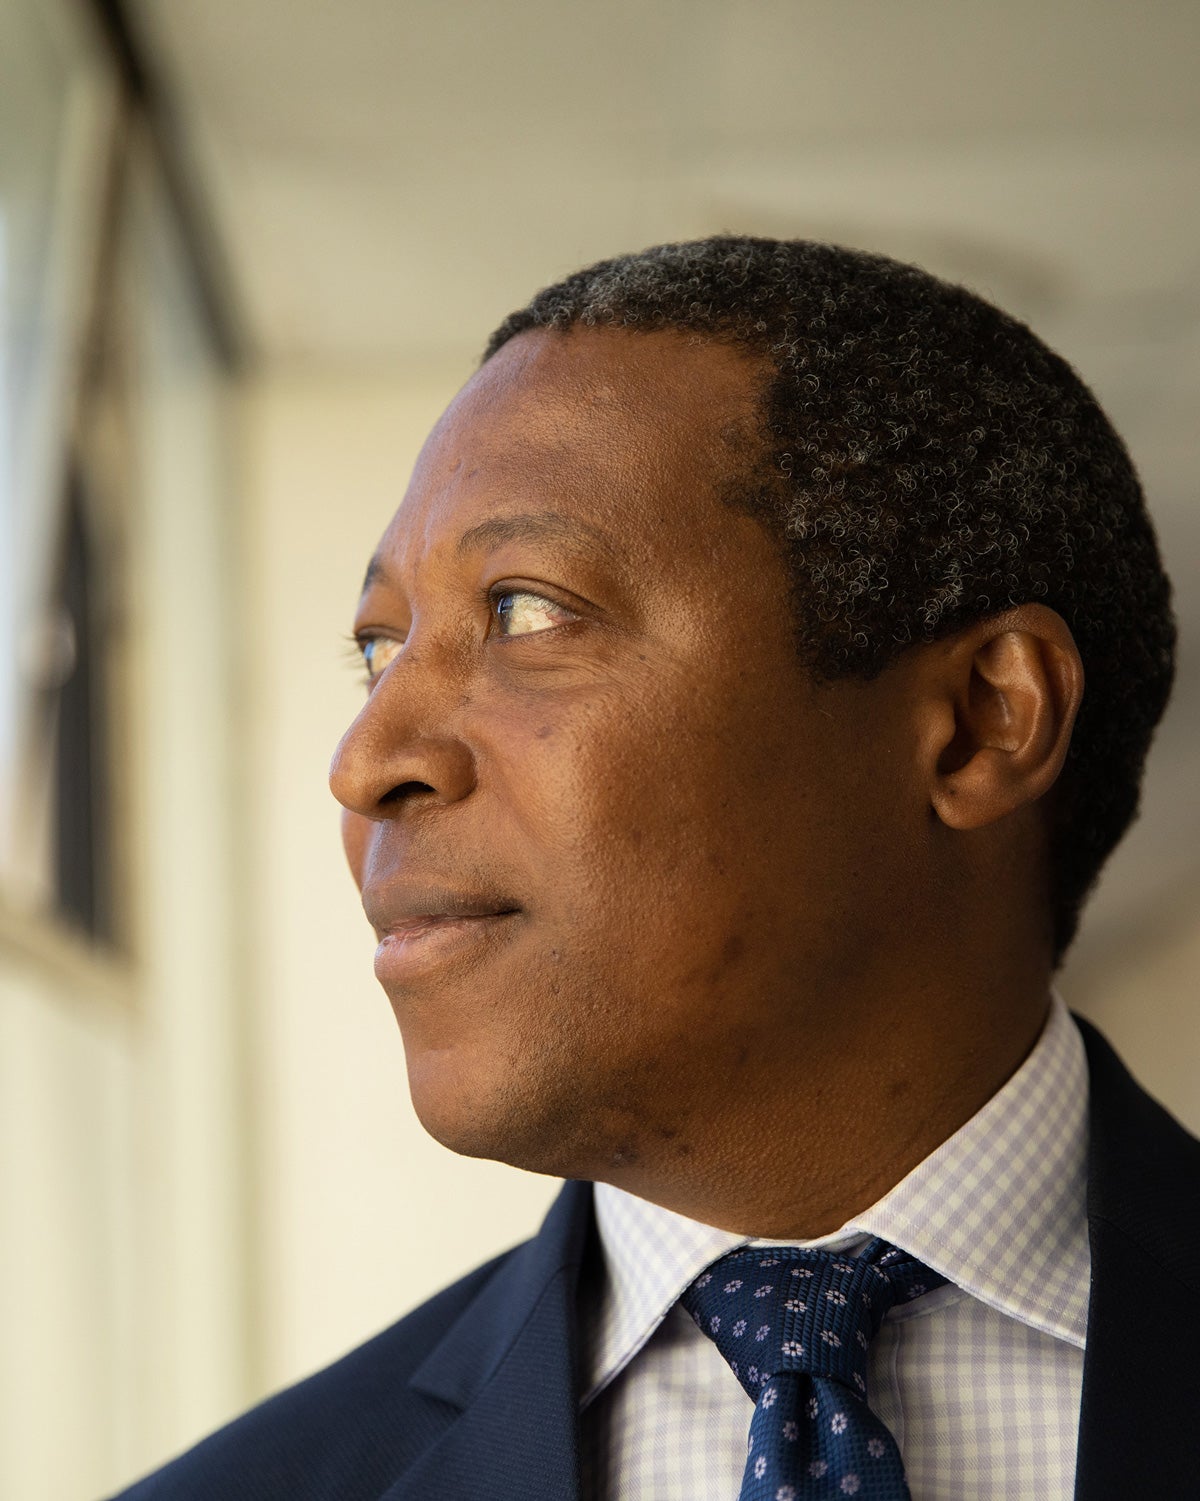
403	791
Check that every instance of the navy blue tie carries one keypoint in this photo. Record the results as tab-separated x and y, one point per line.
795	1327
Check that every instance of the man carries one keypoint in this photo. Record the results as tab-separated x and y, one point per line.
724	799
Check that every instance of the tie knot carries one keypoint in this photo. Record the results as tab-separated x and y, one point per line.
787	1309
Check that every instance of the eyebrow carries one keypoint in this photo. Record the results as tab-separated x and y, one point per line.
536	526
376	572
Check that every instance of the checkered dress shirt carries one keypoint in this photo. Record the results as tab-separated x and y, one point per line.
979	1381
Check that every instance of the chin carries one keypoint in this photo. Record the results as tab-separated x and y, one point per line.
477	1113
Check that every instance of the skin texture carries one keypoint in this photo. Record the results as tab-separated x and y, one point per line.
776	940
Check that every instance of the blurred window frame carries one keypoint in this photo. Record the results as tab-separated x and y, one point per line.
68	477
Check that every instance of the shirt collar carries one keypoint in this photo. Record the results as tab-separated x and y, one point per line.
999	1209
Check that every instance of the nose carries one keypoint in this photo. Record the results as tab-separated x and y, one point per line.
401	751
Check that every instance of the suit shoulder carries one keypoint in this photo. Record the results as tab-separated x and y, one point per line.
343	1431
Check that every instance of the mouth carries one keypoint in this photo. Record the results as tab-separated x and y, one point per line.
419	945
424	928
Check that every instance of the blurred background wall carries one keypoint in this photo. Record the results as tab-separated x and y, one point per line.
247	252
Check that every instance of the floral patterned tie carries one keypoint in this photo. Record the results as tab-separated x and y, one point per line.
794	1326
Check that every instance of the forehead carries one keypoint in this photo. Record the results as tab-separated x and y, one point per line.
630	433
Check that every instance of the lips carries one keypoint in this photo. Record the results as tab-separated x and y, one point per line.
425	928
402	909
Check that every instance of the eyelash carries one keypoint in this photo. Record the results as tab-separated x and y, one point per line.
352	652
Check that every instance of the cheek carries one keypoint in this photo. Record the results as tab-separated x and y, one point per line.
644	812
639	819
356	833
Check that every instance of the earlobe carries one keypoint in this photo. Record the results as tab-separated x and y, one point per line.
1006	696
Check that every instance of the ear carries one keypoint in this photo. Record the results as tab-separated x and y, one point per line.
1001	705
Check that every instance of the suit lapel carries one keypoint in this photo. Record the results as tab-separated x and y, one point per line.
508	1364
1139	1431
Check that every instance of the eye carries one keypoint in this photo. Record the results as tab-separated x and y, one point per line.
520	612
378	653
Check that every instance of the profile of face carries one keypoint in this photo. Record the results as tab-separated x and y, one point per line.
620	853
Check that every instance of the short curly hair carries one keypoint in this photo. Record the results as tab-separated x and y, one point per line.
925	462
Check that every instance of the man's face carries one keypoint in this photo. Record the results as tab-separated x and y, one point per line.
620	853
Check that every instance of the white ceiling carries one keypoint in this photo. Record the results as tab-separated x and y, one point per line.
391	177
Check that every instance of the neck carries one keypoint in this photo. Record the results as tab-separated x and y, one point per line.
841	1117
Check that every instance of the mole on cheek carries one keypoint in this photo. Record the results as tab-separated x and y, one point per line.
545	732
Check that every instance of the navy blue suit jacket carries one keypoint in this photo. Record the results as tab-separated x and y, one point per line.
475	1393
